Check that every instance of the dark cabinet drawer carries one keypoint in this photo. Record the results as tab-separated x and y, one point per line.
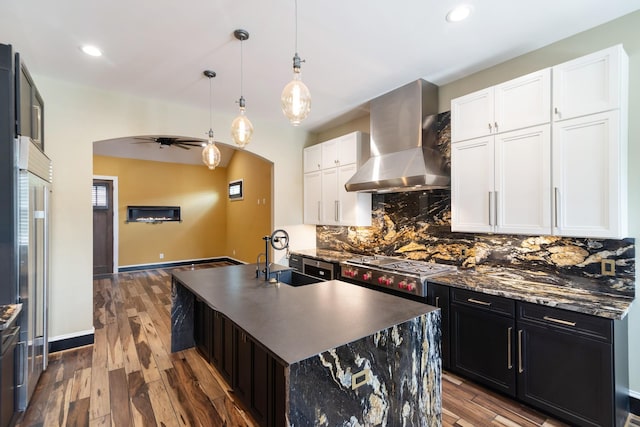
570	321
487	302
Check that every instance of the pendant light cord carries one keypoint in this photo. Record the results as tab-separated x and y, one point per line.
241	69
210	106
296	27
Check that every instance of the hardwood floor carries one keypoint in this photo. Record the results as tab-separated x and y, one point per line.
130	378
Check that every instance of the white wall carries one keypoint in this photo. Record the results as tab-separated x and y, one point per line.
623	30
75	116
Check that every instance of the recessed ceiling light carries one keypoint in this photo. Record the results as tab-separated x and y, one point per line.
459	13
91	50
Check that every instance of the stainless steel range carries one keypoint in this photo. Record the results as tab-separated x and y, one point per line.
393	274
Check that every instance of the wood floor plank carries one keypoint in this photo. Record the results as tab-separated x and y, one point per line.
57	406
100	393
115	359
157	348
101	422
203	373
141	409
179	399
78	413
145	356
81	385
119	400
202	408
161	404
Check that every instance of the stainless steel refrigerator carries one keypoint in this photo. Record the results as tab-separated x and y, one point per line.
34	197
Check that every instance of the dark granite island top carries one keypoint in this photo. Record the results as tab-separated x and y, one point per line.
323	334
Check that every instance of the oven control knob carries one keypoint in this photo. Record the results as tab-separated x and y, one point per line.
353	273
382	279
411	286
389	281
367	276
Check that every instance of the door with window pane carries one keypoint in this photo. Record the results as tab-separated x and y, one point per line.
102	200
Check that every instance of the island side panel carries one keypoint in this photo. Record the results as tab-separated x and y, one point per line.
404	386
182	301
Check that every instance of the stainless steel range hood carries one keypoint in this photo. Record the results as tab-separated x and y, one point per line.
404	155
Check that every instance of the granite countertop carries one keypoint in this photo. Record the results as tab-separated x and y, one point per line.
568	293
296	323
565	292
324	254
8	313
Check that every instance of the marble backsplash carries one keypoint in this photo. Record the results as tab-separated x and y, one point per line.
417	225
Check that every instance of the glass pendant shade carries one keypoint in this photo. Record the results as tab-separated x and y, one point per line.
211	153
296	99
241	129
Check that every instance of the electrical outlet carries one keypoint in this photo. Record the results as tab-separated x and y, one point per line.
608	267
463	252
234	252
161	255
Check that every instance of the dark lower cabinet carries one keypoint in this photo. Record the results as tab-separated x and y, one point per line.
257	378
567	365
482	328
438	296
203	328
571	365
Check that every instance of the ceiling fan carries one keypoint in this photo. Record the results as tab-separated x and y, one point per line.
168	141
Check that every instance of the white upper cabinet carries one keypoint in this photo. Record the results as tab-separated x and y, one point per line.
523	181
516	104
328	166
590	84
523	102
472	115
312	158
472	185
340	151
313	197
501	183
568	178
589	176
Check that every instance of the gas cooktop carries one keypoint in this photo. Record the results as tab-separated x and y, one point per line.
396	274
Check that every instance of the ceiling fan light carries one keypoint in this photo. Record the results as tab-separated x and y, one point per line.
241	129
296	99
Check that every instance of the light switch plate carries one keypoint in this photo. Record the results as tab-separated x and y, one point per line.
608	267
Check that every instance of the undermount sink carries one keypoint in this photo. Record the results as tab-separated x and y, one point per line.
295	278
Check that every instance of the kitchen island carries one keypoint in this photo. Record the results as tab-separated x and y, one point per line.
329	353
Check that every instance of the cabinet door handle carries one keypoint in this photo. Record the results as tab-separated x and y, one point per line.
495	126
475	301
556	111
495	208
560	321
520	369
319	210
556	198
438	302
490	128
336	209
509	362
490	203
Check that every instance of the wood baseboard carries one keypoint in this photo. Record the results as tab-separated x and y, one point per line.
69	343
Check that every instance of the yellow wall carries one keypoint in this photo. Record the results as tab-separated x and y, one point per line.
249	219
200	193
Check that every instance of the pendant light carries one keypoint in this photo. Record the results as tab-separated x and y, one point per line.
296	98
241	127
210	153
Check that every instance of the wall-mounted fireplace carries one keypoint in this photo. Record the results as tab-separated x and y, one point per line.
153	214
